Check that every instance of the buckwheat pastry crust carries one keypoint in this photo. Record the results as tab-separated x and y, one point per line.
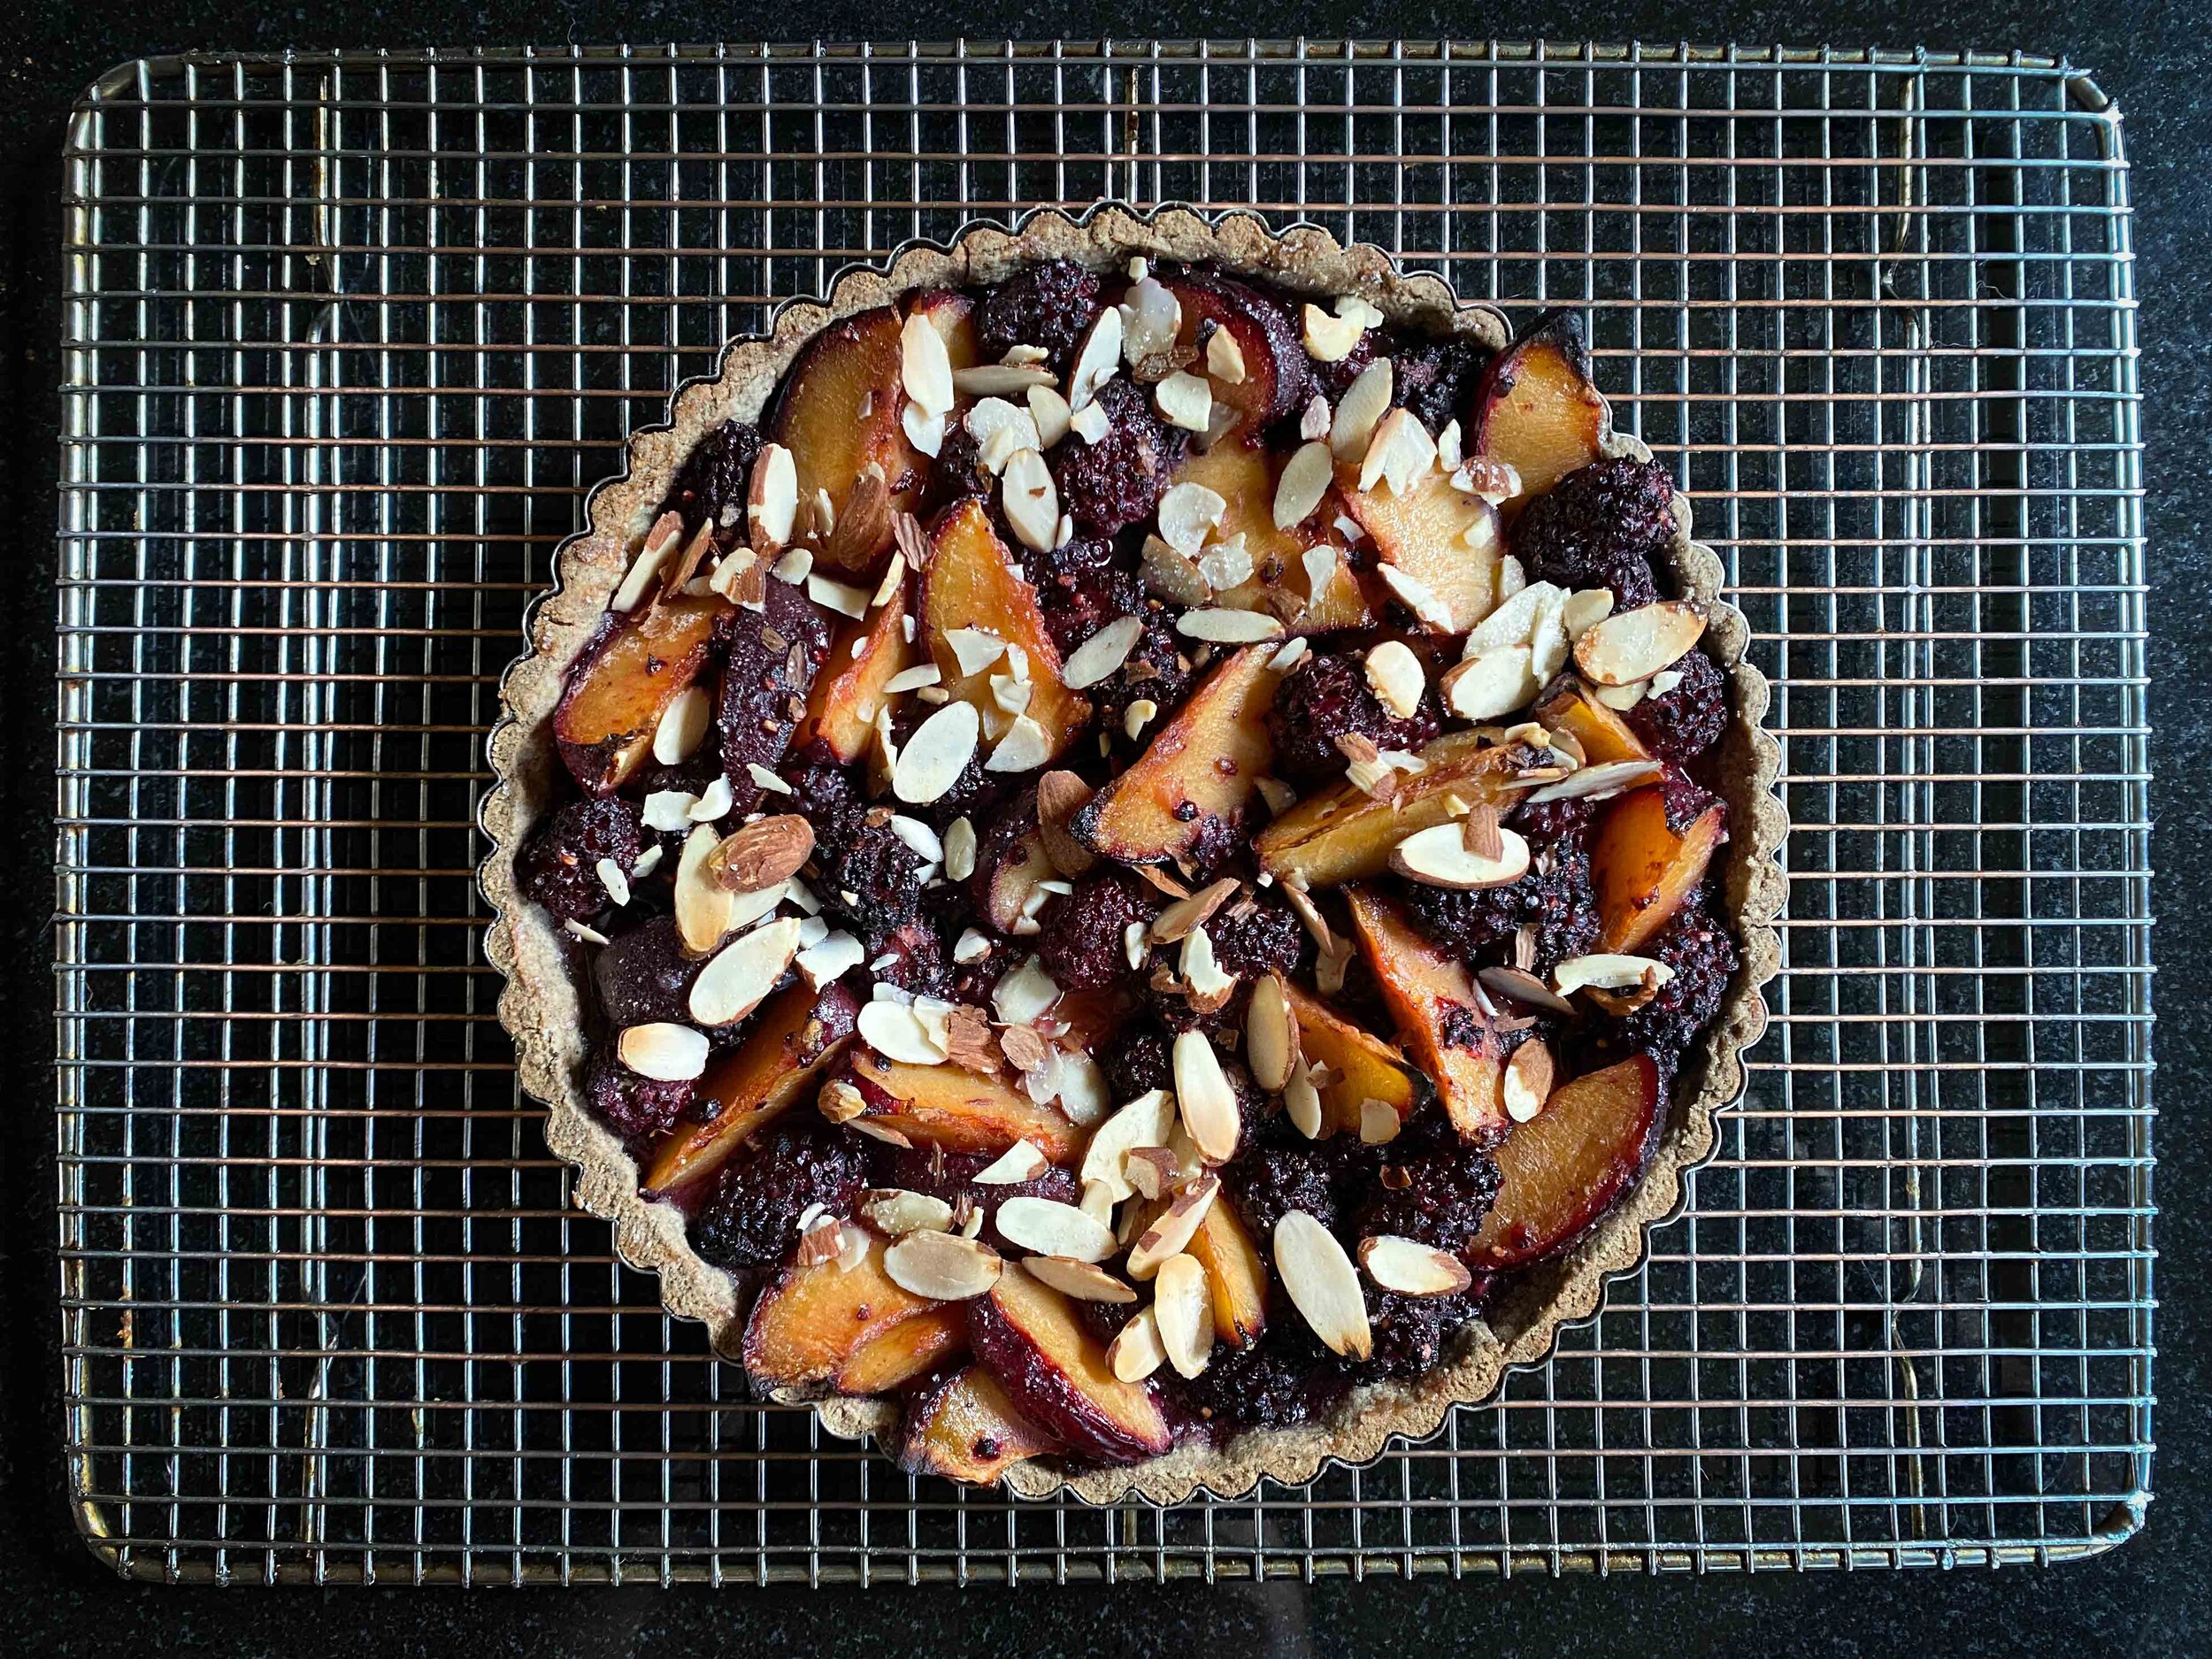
543	1005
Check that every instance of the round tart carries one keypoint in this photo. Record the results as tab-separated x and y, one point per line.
1135	854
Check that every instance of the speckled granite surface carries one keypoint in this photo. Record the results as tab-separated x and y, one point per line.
2149	1598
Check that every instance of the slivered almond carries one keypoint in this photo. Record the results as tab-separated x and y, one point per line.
1408	1268
762	854
942	1267
1083	1280
1528	1080
1174	1227
1182	1308
1305	480
772	504
1270	1034
1181	917
732	985
1060	797
1606	779
894	1211
1020	1163
1208	1104
1632	645
1323	1284
1439	857
1524	986
1048	1227
664	1051
1137	1352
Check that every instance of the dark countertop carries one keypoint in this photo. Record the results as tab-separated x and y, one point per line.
2144	1598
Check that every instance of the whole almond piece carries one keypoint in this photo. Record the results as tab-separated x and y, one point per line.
1410	1268
1182	1308
1324	1285
762	854
942	1267
1174	1228
1060	797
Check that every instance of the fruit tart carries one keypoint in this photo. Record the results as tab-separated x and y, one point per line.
1135	854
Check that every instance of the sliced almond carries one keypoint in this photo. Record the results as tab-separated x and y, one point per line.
1585	609
1417	596
1020	1163
1441	857
1100	656
1032	501
832	957
763	854
1049	411
937	754
1409	1268
664	1051
1225	357
1185	400
1528	1080
1186	512
1203	1094
999	380
840	1101
1173	574
1179	918
1524	986
1379	1123
1632	645
1513	621
1226	565
1360	409
1608	777
1328	339
894	1031
1174	1227
960	845
1045	1226
615	879
1323	1284
1400	454
1137	1352
1606	970
894	1211
1083	1280
1152	1171
707	913
1097	359
683	726
772	504
1270	1034
821	1243
1182	1308
924	366
732	985
1395	676
1302	1100
1060	797
1025	995
660	541
1229	627
1024	1050
941	1266
1144	1122
1024	747
1496	683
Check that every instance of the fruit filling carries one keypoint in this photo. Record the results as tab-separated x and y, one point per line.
1139	847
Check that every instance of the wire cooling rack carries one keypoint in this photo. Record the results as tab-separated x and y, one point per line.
350	337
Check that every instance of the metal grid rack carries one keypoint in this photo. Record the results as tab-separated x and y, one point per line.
349	338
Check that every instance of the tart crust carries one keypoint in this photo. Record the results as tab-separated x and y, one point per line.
543	1010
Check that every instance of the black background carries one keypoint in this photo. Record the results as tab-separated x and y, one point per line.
2150	1597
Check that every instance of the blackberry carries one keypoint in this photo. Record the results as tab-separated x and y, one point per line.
918	962
1257	933
999	839
1326	697
644	977
638	1108
1687	800
1051	305
712	482
1699	950
1436	378
1444	1198
1281	1173
1411	1332
1139	1058
830	796
1158	672
750	1219
1684	723
1120	479
1287	1377
559	868
773	655
1081	588
1599	527
957	474
1554	897
865	874
1081	938
951	1177
1553	821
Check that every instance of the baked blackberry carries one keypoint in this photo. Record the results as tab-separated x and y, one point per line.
713	481
1081	588
957	473
914	958
1687	800
1137	1059
1551	820
1326	697
869	878
1682	723
559	868
638	1108
1600	527
1257	933
951	1177
1282	1172
1287	1377
1436	378
1554	897
751	1220
1081	934
1411	1334
773	655
1439	1197
1699	950
644	977
999	836
1051	305
1158	670
1120	479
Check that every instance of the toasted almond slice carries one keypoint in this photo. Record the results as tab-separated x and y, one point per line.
669	809
1512	621
1328	339
1608	777
683	726
1226	565
1182	1308
1185	515
1225	358
661	541
1097	1202
1400	454
1048	1227
732	985
941	1266
1060	795
1395	676
1049	410
880	1132
664	1051
1585	609
1358	411
1137	1352
1439	856
1083	1280
1024	747
894	1211
960	845
894	1031
1179	918
1379	1123
615	879
1097	359
924	366
1632	645
1031	500
1020	1163
999	380
772	504
1208	1104
1323	1284
1144	1122
764	853
1409	1268
1174	1227
1524	986
1023	996
1302	1100
937	754
1223	626
1606	970
1100	656
1270	1034
1496	682
1528	1080
1480	832
832	957
1184	400
1417	596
